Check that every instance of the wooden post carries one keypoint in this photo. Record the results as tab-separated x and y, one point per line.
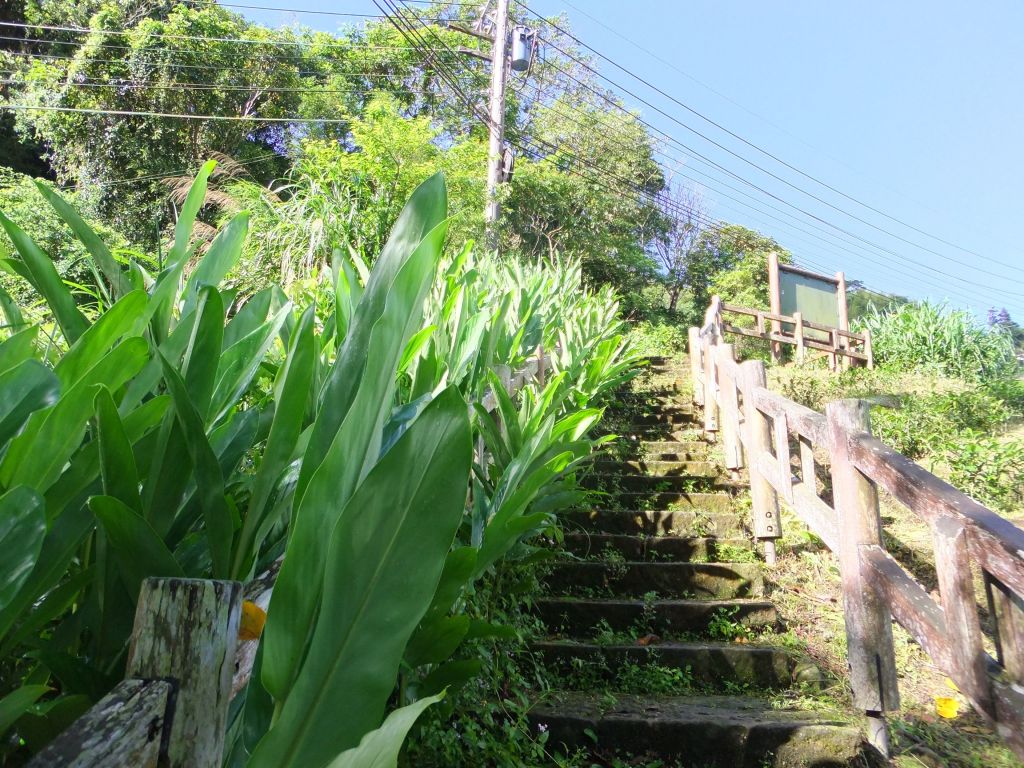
728	413
807	473
710	385
833	360
775	303
870	651
798	334
186	630
124	728
956	587
766	523
693	336
844	320
780	429
867	348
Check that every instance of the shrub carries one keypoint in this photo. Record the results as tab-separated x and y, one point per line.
924	336
658	338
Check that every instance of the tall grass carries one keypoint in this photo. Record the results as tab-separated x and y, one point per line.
933	337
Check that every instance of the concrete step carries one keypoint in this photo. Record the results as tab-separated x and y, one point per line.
659	467
711	665
721	581
580	618
709	493
655	447
699	548
701	473
711	731
709	516
673	415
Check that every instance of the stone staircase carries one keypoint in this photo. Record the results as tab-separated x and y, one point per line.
656	610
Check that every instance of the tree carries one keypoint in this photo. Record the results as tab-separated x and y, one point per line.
1002	319
677	247
741	255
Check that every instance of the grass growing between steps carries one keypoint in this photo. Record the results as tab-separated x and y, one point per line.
806	589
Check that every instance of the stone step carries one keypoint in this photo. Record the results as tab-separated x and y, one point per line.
713	494
710	664
708	517
698	548
722	581
676	415
654	447
581	618
659	467
686	433
702	472
712	731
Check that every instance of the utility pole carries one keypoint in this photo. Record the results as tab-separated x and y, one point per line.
496	146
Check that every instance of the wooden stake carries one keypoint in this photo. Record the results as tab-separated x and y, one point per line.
766	524
869	640
693	336
775	303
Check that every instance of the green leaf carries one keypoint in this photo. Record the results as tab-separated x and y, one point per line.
138	550
384	563
22	530
97	249
187	215
380	748
27	387
451	676
203	353
415	345
46	280
291	397
208	476
124	317
18	348
117	461
435	640
16	703
346	437
218	260
9	308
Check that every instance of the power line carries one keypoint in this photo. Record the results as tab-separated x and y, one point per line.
133	113
214	87
764	152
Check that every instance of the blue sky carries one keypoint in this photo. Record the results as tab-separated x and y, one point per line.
912	107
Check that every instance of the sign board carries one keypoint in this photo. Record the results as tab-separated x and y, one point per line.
815	297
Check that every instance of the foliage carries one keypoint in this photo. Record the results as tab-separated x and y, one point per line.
933	337
659	338
738	258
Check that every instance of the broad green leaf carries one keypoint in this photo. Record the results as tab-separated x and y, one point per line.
138	550
97	249
385	559
22	530
291	395
218	260
123	318
16	703
203	353
46	280
208	477
414	347
18	348
27	387
11	312
187	215
380	748
451	676
117	462
346	437
435	640
458	570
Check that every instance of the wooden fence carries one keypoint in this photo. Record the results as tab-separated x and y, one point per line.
782	444
841	347
186	662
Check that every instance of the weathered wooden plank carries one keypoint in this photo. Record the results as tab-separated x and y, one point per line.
996	544
868	622
911	606
124	728
710	386
800	419
783	458
1009	707
816	514
960	609
186	630
696	365
766	522
728	401
807	465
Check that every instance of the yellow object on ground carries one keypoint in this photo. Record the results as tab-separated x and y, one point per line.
947	707
253	619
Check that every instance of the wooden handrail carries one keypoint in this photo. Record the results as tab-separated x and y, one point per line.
875	586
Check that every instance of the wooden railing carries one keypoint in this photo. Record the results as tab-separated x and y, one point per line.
781	444
840	347
187	661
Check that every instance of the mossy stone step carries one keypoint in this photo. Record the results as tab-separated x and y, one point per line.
708	517
712	731
659	468
711	493
580	618
701	472
691	580
673	415
699	548
660	432
711	665
654	447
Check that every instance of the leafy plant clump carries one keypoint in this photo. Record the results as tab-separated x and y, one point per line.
168	428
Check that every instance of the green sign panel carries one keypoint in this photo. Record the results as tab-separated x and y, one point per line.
813	297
